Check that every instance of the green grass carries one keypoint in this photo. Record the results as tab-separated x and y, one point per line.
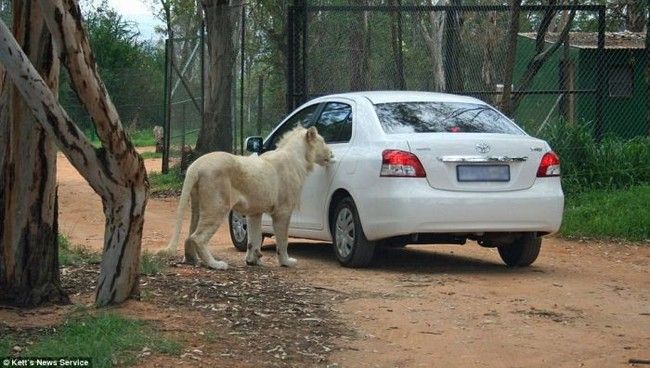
108	338
75	256
139	138
142	138
151	264
150	155
621	214
171	181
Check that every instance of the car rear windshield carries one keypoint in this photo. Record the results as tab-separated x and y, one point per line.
440	117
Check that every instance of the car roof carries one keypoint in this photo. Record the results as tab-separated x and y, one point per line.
377	97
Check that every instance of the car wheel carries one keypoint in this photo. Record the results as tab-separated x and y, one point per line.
238	230
351	246
522	252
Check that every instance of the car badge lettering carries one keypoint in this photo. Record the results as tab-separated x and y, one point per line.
483	148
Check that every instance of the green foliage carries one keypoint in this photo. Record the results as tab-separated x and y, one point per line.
614	163
172	181
108	338
131	69
151	264
74	256
621	214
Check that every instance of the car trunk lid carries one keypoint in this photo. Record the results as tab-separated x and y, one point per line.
478	161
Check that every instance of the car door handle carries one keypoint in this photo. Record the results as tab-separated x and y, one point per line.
482	159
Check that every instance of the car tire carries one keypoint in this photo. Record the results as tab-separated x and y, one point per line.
238	231
351	246
522	252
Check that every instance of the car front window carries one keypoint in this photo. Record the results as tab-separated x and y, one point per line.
441	117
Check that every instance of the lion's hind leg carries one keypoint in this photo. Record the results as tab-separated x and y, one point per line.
254	253
191	254
213	205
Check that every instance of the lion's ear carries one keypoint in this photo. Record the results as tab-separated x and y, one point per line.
311	133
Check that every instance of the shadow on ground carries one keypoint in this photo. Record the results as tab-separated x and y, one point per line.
427	260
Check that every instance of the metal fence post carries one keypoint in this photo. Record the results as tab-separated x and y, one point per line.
167	125
290	66
602	71
241	79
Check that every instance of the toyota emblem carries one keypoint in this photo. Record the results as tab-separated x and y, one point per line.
483	148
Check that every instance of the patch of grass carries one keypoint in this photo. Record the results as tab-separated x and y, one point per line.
6	343
75	256
621	214
172	181
108	338
139	138
142	138
151	264
150	155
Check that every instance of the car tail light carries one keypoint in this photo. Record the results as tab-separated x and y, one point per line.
401	164
549	166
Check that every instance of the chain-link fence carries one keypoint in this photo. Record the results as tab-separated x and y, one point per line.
568	75
565	66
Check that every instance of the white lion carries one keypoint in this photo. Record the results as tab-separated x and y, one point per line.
251	185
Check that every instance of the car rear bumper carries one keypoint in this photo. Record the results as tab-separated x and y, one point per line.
400	206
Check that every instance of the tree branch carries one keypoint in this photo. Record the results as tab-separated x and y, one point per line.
119	159
46	109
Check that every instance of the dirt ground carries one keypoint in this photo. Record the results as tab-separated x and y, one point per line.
581	304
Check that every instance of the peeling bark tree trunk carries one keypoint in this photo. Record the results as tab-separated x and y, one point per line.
359	49
29	265
216	131
647	69
433	39
488	71
115	171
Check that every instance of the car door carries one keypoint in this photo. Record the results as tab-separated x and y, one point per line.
305	117
334	124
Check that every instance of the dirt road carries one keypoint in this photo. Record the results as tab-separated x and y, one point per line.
581	304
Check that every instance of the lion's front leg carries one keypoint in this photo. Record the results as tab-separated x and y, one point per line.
281	228
254	252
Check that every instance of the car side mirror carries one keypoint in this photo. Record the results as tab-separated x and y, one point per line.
254	144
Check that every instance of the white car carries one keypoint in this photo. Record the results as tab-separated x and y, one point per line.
420	168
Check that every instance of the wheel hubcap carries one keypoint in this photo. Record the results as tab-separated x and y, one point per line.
345	235
239	227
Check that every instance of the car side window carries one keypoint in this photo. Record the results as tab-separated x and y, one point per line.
335	123
304	117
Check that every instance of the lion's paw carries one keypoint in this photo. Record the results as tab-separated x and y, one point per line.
219	265
289	262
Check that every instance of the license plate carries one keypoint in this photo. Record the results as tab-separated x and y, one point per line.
474	173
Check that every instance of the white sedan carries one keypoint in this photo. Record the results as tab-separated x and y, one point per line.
420	168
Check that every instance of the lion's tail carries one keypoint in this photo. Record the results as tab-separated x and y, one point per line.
191	178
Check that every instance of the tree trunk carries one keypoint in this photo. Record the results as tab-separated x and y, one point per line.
433	39
508	73
359	49
216	131
453	50
488	71
29	265
115	171
396	45
647	69
635	16
542	54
